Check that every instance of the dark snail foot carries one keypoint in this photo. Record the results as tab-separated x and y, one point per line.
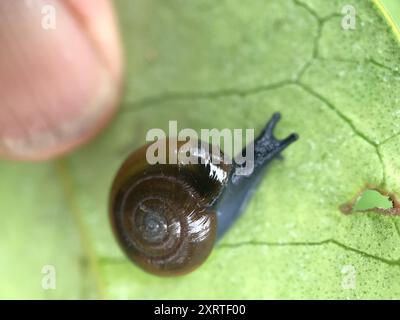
240	188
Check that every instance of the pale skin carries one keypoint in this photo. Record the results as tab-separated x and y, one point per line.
58	87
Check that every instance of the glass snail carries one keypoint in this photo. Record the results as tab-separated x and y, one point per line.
167	217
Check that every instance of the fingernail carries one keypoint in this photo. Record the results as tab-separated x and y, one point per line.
59	85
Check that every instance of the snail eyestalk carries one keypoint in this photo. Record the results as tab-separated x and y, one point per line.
241	187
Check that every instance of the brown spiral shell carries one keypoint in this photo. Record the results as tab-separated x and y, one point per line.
161	214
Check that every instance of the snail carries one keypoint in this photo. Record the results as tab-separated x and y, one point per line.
168	217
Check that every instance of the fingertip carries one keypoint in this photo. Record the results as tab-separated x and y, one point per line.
98	19
59	87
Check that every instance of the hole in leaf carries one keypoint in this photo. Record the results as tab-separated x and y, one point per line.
372	199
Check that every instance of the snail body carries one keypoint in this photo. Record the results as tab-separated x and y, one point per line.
167	217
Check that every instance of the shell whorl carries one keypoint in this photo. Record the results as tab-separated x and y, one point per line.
161	214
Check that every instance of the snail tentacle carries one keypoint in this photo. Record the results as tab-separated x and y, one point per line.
241	187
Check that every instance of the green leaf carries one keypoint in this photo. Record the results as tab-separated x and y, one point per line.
229	64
